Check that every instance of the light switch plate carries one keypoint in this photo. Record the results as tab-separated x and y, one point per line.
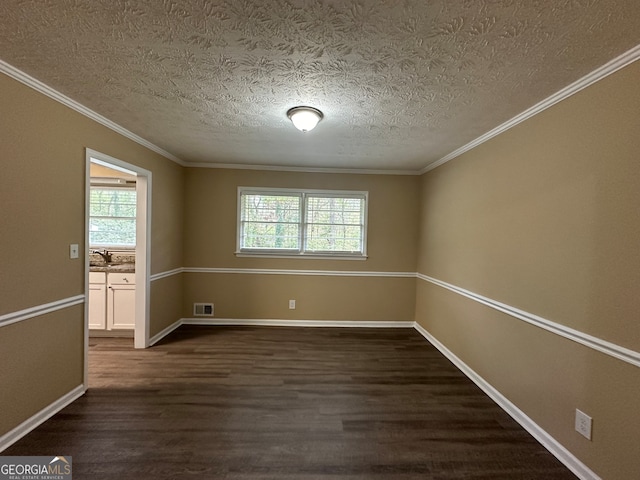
73	250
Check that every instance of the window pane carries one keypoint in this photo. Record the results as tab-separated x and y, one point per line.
302	222
334	224
334	238
270	222
112	219
334	210
271	236
270	208
113	202
112	231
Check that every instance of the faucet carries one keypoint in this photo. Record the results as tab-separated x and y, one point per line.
106	255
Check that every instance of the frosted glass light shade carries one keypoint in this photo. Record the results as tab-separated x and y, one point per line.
305	118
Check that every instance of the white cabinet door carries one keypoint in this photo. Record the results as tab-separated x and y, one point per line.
97	300
121	301
97	306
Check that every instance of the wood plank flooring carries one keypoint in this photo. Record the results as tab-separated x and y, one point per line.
248	403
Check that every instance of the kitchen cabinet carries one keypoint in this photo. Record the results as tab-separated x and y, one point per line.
112	301
97	300
121	301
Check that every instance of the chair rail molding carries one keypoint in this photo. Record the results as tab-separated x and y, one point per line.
603	346
27	313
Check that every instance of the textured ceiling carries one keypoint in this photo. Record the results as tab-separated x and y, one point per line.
401	83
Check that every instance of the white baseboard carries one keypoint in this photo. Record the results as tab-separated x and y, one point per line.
551	444
277	323
296	323
39	418
160	335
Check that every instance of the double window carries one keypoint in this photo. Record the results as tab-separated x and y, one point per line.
112	217
302	222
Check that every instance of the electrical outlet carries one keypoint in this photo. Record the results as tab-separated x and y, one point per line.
583	424
292	304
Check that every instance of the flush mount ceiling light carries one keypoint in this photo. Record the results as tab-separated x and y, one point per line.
304	118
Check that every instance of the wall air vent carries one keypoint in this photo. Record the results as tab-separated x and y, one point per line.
203	309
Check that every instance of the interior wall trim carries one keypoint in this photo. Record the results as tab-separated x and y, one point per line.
168	273
325	273
45	89
283	168
598	74
278	323
27	313
251	322
610	67
164	332
551	444
39	418
603	346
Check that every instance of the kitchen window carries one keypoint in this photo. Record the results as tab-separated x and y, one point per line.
287	222
112	217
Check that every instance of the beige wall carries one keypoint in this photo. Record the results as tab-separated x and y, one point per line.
167	303
42	190
249	296
210	242
543	217
546	218
42	360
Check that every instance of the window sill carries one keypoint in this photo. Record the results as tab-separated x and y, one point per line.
309	256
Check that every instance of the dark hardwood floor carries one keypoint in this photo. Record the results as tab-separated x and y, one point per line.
286	403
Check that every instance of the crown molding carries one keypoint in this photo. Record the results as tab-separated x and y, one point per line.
43	88
607	69
282	168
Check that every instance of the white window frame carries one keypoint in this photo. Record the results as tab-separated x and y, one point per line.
114	246
303	194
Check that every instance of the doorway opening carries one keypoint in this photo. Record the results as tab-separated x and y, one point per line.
117	246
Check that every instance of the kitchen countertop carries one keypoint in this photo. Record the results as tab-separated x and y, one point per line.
119	262
114	268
